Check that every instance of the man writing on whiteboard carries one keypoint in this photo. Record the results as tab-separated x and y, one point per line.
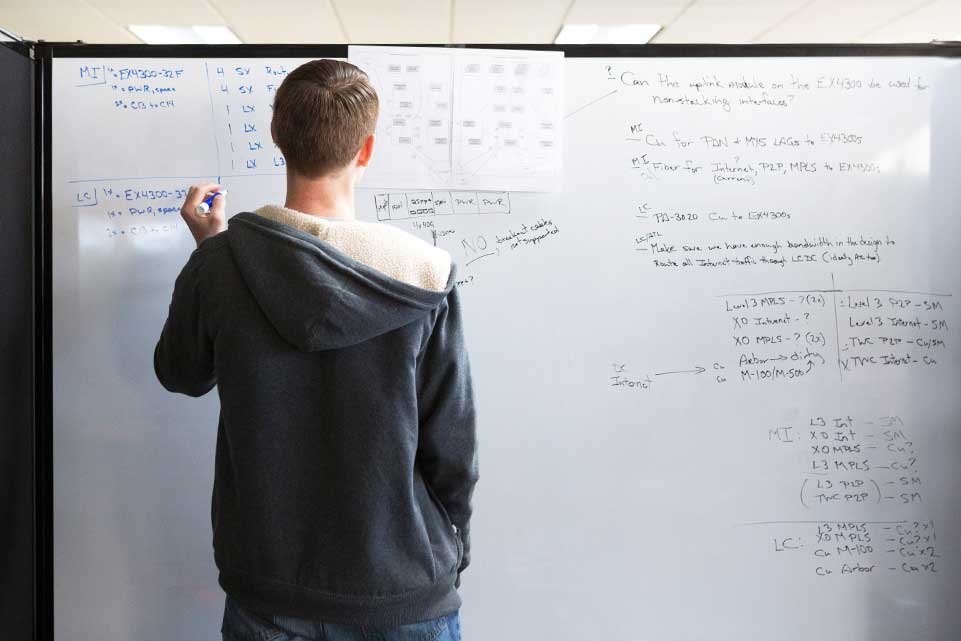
346	450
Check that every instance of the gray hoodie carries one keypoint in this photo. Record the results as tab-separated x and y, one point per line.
346	450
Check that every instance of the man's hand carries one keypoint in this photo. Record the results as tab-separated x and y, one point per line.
203	226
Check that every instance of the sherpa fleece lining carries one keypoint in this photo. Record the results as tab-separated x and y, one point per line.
386	248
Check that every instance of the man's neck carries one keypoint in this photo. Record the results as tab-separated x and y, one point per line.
330	196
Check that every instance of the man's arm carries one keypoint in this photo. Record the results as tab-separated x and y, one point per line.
184	356
184	359
447	448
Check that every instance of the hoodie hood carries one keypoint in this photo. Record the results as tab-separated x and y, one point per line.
316	296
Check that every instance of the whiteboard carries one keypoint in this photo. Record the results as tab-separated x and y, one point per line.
717	374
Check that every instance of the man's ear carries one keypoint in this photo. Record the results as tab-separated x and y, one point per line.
366	151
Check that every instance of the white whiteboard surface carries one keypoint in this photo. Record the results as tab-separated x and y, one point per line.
662	351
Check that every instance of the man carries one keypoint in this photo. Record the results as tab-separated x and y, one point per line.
346	451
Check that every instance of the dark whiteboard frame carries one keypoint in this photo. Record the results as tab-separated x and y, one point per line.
939	49
44	53
18	397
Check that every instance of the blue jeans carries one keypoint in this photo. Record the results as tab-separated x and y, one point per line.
240	624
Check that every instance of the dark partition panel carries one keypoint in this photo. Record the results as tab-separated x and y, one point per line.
17	586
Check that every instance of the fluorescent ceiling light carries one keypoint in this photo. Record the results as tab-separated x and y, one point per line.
593	34
576	34
154	34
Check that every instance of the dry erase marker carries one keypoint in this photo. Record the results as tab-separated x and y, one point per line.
208	202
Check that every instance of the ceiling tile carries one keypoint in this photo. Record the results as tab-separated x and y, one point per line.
837	20
612	12
169	12
61	20
385	22
508	21
492	21
282	21
937	21
727	21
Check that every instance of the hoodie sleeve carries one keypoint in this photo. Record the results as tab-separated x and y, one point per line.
184	356
447	446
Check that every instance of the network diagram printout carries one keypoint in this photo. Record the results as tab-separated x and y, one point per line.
477	119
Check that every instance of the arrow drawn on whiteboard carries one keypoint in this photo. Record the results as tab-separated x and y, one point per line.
590	103
697	370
